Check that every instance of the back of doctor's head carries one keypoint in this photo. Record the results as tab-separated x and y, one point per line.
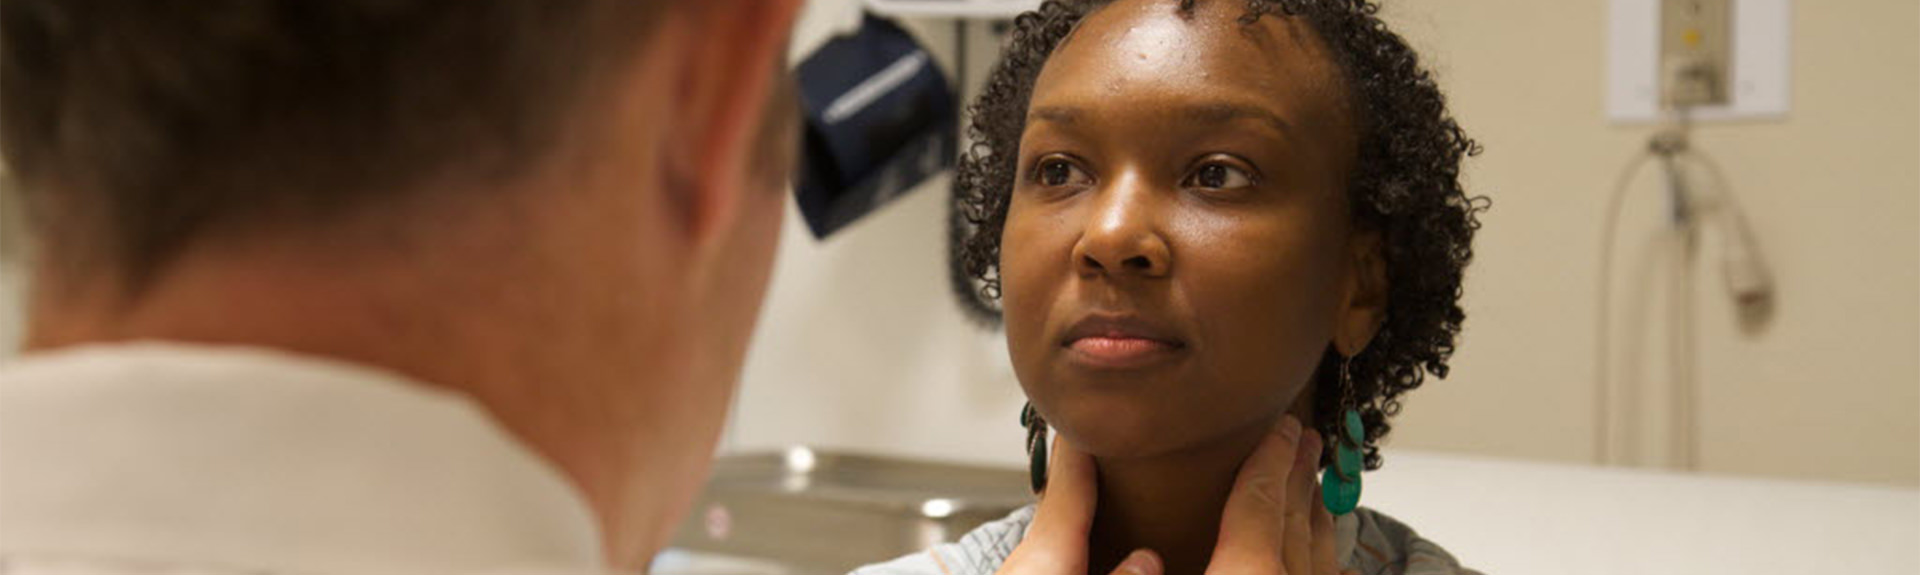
136	129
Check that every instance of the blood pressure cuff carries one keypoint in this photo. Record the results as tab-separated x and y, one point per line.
879	120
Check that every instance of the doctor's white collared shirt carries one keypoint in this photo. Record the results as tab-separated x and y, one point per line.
152	458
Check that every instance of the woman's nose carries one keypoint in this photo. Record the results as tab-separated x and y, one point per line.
1122	234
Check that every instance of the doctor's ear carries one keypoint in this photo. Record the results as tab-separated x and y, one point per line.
1364	308
725	88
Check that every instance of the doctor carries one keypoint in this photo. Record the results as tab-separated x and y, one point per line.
387	287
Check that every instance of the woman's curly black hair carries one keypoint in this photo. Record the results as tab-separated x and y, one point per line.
1405	185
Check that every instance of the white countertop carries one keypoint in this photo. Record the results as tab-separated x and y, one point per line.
1502	516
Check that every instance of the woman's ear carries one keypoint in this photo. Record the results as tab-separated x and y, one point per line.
1364	308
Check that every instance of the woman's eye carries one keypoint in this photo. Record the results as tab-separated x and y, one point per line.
1061	173
1219	176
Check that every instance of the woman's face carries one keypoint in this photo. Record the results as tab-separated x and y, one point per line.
1177	251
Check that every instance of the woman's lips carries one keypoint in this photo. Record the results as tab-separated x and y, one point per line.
1121	351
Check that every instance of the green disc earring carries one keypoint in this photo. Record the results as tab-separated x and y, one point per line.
1340	483
1036	446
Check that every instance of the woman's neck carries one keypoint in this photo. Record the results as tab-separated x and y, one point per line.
1169	503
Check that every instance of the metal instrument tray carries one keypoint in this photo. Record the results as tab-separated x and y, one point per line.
825	513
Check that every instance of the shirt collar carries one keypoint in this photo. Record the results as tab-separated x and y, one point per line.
261	459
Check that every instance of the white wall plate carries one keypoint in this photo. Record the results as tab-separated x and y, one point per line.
1762	58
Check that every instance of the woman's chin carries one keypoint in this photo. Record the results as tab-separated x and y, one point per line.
1120	437
1129	430
1103	448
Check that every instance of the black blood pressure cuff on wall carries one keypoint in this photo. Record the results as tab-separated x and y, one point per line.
879	120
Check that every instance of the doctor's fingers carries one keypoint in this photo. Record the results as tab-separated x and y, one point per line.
1056	541
1253	525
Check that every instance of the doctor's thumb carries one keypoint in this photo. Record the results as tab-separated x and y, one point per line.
1141	562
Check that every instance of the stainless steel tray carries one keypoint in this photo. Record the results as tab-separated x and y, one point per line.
824	513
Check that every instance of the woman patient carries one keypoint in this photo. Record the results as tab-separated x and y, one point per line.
1198	218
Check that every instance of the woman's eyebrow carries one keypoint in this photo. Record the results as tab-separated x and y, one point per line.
1227	112
1218	112
1056	114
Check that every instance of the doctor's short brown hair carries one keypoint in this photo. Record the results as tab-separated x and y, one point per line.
135	128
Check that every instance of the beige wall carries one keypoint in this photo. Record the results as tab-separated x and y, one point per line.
12	277
1831	388
862	347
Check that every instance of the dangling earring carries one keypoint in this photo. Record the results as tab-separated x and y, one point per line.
1036	446
1340	483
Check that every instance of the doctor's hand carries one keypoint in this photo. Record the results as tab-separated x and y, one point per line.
1056	541
1273	523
